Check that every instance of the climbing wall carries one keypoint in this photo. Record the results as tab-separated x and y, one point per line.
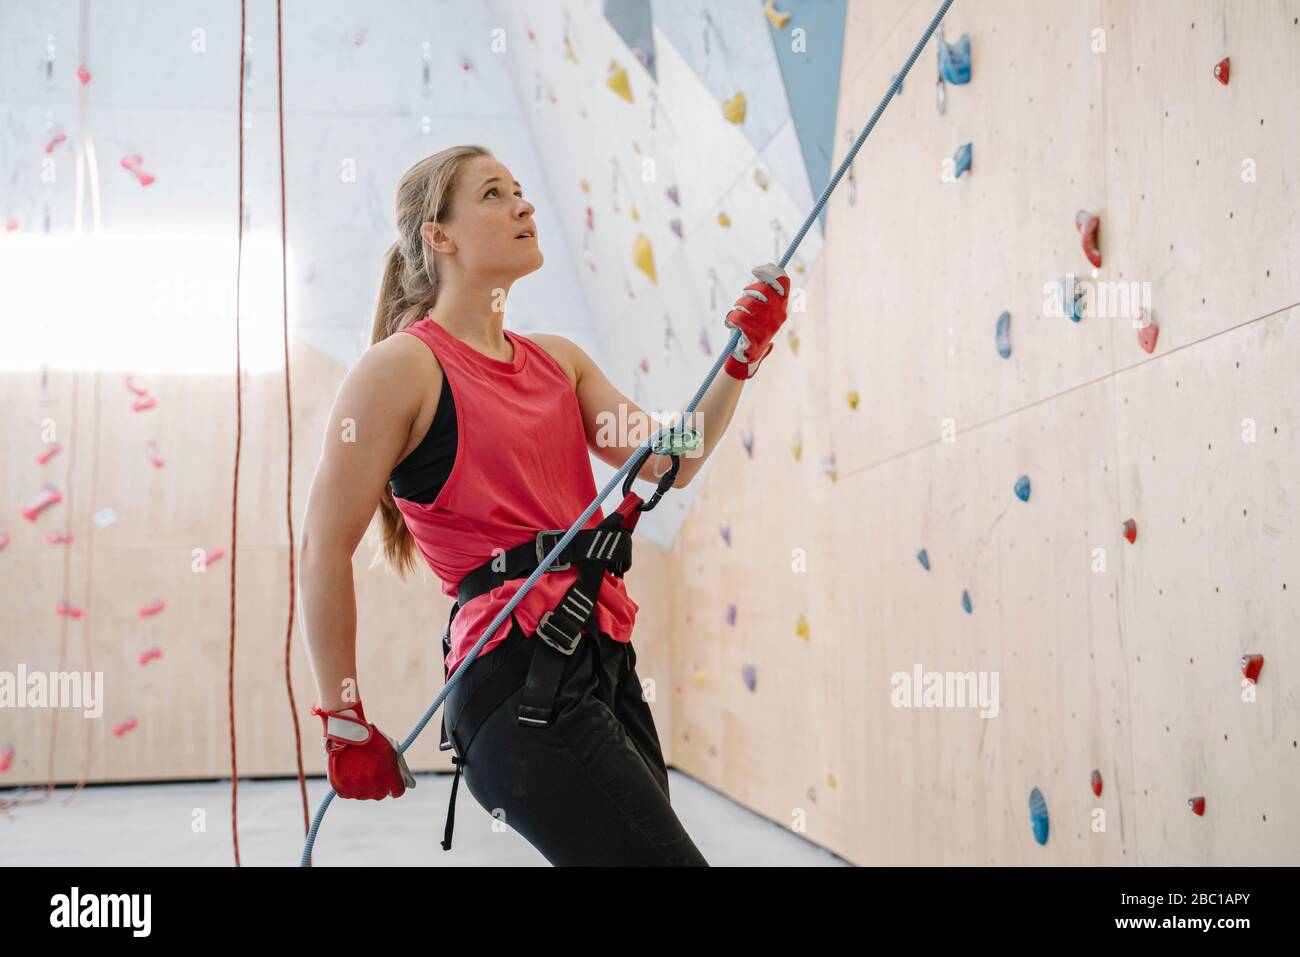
1095	510
669	184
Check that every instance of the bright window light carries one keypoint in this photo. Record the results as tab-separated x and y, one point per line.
144	303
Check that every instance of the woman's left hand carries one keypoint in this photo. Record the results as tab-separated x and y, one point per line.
758	314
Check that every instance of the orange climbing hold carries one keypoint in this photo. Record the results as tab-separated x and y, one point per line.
1130	530
1197	806
1221	71
1095	781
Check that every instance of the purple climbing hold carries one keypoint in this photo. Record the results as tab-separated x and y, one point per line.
747	440
731	615
671	193
1022	488
749	674
965	602
924	558
726	534
676	226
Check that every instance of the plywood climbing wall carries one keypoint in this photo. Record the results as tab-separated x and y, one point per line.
1110	656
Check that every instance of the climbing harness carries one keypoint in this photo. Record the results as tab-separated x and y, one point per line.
607	547
593	550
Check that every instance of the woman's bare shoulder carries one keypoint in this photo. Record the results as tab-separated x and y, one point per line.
560	349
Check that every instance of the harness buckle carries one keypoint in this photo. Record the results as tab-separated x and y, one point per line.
542	549
566	642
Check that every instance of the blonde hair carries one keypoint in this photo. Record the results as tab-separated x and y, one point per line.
409	289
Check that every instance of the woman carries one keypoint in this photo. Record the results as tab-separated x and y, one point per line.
472	440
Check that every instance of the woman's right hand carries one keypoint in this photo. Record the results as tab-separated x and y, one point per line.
364	763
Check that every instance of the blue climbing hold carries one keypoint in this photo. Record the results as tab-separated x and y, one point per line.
961	160
965	602
1022	488
1071	298
924	558
1004	335
954	60
1038	815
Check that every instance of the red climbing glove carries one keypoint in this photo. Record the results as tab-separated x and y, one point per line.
363	761
758	314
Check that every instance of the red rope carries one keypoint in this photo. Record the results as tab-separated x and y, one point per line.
288	407
239	431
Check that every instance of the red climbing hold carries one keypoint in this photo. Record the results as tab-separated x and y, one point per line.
130	724
1088	224
67	611
153	608
1130	530
1096	783
1250	666
1148	332
131	162
1221	71
51	496
1197	806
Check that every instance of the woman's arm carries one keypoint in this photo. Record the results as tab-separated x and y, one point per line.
616	426
368	427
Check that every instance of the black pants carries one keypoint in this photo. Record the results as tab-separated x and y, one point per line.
589	789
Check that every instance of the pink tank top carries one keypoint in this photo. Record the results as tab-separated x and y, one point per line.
521	466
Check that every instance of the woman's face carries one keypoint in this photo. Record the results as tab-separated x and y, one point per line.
488	216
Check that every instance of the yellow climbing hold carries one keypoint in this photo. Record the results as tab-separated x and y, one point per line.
794	341
801	628
586	187
853	399
644	256
760	179
734	108
723	219
777	18
798	446
828	467
636	217
568	49
700	677
830	780
617	81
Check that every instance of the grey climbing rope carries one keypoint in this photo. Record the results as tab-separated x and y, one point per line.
653	441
